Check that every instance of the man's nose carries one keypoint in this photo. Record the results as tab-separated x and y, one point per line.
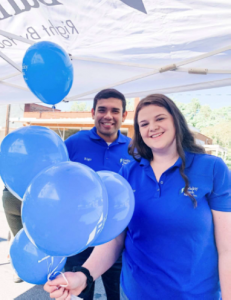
108	115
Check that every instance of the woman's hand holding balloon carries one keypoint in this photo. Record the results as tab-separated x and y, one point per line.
63	286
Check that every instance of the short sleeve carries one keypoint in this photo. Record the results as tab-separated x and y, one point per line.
220	197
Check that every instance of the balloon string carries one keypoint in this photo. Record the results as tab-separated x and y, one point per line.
73	297
54	272
64	277
46	257
53	109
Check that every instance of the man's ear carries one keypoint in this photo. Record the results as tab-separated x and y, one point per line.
124	116
93	113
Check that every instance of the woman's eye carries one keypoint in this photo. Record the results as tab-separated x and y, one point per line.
143	124
160	119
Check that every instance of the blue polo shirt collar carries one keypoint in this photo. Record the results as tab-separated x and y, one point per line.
121	139
188	158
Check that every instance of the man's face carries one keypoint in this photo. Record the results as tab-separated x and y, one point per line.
108	116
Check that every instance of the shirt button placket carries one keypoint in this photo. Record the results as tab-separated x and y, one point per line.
106	154
159	187
158	190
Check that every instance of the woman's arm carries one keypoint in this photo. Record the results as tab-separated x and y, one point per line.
104	256
222	224
101	259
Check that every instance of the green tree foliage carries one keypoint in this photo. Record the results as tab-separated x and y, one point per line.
130	104
221	133
81	106
201	116
214	123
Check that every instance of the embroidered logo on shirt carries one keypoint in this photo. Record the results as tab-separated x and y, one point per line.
87	159
124	161
192	190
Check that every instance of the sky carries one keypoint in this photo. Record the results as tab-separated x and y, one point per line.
215	98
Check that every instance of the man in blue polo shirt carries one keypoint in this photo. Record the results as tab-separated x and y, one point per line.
102	148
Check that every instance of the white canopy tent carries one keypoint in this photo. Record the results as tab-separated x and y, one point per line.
137	46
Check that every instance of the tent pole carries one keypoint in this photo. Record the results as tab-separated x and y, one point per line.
11	62
7	119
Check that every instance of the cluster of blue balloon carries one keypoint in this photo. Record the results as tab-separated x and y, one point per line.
32	264
67	206
48	72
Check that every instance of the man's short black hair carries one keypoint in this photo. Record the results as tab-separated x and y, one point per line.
110	93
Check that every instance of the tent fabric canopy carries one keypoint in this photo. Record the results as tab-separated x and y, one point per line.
138	47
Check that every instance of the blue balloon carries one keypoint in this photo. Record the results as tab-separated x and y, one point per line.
30	263
48	72
27	151
64	209
121	205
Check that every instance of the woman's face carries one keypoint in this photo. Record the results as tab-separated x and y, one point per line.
157	129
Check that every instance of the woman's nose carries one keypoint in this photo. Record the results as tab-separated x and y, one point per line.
153	127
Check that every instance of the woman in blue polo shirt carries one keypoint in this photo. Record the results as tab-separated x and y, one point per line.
178	243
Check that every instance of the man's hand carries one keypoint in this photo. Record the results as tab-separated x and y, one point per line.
77	282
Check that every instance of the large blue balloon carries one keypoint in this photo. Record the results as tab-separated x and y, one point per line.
27	151
64	209
31	264
120	206
48	72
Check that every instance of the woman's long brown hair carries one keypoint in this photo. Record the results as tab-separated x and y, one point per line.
184	137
